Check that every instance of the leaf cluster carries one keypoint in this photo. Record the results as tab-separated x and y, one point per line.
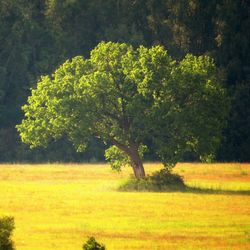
92	244
6	228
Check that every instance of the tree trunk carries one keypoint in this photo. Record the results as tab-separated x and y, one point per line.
137	165
135	160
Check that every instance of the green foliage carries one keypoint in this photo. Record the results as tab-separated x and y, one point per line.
188	111
160	181
6	228
117	158
126	96
92	244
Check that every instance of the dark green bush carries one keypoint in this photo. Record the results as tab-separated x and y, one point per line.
6	228
163	180
92	244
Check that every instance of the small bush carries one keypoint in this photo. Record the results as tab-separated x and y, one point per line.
6	228
163	180
92	244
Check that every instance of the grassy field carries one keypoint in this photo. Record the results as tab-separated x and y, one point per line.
59	206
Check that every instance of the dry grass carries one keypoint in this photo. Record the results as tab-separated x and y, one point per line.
58	206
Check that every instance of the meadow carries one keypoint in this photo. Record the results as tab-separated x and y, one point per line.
57	206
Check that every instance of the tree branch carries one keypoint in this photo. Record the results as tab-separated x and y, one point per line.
120	145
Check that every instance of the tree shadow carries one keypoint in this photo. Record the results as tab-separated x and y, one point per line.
145	186
196	190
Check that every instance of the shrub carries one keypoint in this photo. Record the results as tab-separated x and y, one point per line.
92	244
6	228
163	180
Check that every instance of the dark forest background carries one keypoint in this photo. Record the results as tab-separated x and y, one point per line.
36	36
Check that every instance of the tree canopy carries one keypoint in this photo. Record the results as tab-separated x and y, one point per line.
127	97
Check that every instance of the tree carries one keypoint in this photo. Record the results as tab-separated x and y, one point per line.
27	50
126	97
233	59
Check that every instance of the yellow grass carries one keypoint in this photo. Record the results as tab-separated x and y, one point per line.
58	206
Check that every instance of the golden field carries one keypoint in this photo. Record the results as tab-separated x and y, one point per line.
57	206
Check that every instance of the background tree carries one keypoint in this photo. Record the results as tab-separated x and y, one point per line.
37	36
125	96
24	54
233	57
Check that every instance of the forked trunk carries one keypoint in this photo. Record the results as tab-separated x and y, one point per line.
137	165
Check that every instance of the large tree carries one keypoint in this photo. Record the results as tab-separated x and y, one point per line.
129	97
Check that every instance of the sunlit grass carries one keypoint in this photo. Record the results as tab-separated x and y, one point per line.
58	206
231	177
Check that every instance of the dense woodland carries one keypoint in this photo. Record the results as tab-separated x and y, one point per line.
36	36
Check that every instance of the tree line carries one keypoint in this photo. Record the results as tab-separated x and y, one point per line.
37	36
